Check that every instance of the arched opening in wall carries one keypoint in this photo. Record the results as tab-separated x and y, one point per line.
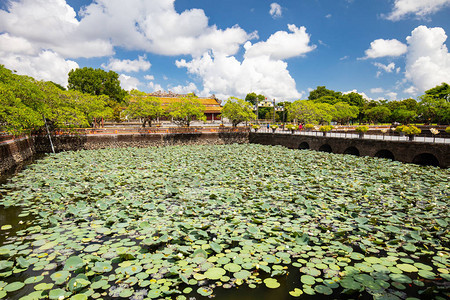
426	159
385	154
303	146
352	151
325	148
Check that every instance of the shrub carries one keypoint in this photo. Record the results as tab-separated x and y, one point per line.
362	128
447	129
256	126
291	127
412	130
274	126
309	126
401	128
325	128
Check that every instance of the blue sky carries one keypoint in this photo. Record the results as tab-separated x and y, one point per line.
384	49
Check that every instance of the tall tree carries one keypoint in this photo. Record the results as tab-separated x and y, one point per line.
97	82
253	98
344	112
144	106
237	111
186	110
322	91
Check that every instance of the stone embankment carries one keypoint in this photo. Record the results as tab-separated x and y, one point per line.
14	152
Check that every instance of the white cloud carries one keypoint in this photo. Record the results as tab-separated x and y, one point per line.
149	77
225	76
16	45
380	48
51	25
180	89
275	10
361	93
377	90
282	44
428	59
391	96
412	90
419	8
47	65
155	26
344	57
328	16
387	68
129	83
128	65
154	87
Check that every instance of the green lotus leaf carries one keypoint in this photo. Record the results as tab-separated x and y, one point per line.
407	268
79	297
271	283
215	273
57	294
73	263
43	286
216	247
401	278
296	292
243	274
322	289
308	279
204	291
232	267
14	286
60	277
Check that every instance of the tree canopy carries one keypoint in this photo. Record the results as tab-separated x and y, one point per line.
97	82
238	111
185	111
144	106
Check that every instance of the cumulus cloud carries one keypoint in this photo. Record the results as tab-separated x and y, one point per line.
180	89
154	87
391	95
361	93
419	8
128	65
282	44
412	90
377	90
155	26
428	59
149	77
381	48
30	27
47	65
226	76
387	68
129	83
275	10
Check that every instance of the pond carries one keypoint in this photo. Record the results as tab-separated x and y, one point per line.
229	221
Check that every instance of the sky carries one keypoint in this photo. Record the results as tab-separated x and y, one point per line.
383	49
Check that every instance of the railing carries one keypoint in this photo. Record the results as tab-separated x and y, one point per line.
352	135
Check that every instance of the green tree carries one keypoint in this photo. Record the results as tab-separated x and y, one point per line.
322	91
434	106
185	111
354	99
145	107
97	82
253	98
344	112
303	111
378	114
237	111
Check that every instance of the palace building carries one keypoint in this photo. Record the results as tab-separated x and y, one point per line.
212	104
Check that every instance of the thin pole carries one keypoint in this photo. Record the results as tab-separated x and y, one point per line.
48	133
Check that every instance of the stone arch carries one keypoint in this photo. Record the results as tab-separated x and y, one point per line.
325	148
303	146
352	151
385	154
426	159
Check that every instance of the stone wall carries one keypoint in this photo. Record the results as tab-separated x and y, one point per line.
14	152
406	151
